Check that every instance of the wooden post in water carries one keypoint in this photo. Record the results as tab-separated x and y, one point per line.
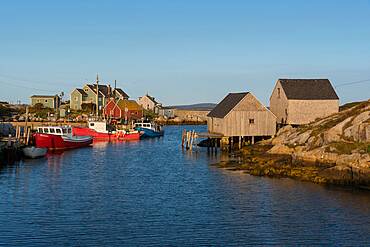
183	138
28	135
196	143
240	142
16	133
215	146
9	140
187	140
252	140
191	140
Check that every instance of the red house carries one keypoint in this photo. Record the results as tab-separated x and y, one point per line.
122	109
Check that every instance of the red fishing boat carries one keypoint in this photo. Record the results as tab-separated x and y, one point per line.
104	131
60	137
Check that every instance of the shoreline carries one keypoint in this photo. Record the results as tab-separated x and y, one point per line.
255	160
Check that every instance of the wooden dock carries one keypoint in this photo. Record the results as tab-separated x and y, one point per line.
188	138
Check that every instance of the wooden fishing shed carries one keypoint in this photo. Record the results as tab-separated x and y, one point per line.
241	116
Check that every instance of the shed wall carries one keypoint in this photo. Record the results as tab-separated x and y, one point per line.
237	123
306	111
279	104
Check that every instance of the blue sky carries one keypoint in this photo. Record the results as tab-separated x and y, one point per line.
182	52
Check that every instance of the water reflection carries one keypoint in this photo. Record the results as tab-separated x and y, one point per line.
151	192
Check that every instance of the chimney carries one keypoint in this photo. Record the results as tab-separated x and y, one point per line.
109	92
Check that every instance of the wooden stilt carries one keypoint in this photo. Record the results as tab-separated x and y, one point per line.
252	140
196	143
183	138
216	145
187	140
191	140
28	135
240	142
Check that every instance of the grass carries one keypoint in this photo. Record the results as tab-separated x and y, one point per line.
342	147
356	110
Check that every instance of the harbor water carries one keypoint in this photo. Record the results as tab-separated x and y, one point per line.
153	193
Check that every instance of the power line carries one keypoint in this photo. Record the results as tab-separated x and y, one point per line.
36	89
350	83
29	80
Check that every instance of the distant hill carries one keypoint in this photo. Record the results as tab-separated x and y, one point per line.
195	107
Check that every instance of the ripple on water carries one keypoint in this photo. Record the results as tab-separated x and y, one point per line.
152	192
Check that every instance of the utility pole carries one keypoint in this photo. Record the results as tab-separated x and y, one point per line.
97	97
115	88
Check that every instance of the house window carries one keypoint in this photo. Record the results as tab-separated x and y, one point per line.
75	98
75	106
136	112
91	99
251	120
111	112
46	101
86	90
278	93
38	101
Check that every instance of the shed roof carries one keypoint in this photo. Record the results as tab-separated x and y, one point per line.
81	91
130	104
152	99
121	92
103	89
44	96
308	89
227	104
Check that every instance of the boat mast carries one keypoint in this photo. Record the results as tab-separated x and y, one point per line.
97	97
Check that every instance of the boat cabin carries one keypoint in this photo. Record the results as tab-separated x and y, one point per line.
101	127
151	126
55	130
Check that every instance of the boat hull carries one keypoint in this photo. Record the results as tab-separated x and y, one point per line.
34	152
105	136
50	141
149	133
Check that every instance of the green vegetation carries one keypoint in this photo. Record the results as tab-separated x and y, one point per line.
348	105
343	147
149	114
40	111
5	110
339	117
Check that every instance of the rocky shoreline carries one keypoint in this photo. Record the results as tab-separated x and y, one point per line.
256	160
332	151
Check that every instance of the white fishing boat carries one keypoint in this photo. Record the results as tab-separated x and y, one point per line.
34	152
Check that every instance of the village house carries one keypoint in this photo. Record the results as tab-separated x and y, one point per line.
166	111
241	115
300	101
46	100
123	109
87	94
149	103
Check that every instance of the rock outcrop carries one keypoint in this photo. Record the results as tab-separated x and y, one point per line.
342	139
